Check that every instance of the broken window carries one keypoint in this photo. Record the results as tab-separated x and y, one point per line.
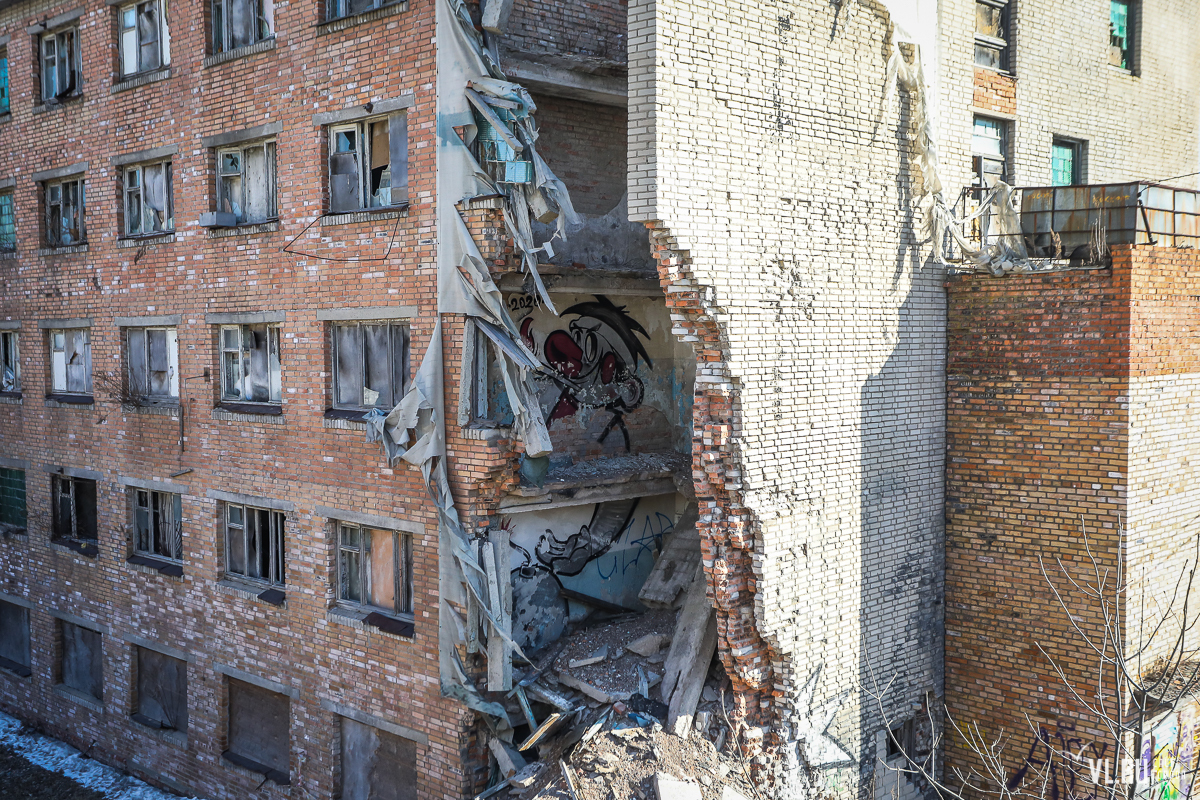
374	568
161	691
74	511
240	23
60	65
377	765
10	356
64	212
148	199
4	88
8	223
145	44
250	371
368	164
989	148
14	638
1121	30
370	364
258	730
254	545
991	34
71	361
246	183
158	524
1066	164
12	498
153	361
82	665
348	8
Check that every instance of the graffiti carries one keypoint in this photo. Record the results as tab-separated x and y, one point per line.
567	557
594	362
1047	761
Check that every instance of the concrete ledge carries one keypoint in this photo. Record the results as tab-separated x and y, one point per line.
366	215
62	324
63	251
250	500
239	52
245	135
59	172
10	325
7	183
269	416
55	22
374	721
161	321
82	622
342	23
371	520
74	472
378	108
571	84
146	241
153	486
171	411
262	683
374	312
140	80
15	600
13	463
243	230
11	399
76	696
166	650
343	424
244	317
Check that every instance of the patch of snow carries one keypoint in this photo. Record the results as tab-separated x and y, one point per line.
60	757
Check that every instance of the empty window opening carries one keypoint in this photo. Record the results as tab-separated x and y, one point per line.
989	148
71	361
82	664
900	739
368	164
246	183
12	499
14	639
64	213
992	47
377	765
10	360
8	223
145	44
4	87
258	730
348	8
240	23
254	544
375	568
153	361
74	509
1066	163
60	65
370	364
161	691
250	369
1121	32
158	524
149	206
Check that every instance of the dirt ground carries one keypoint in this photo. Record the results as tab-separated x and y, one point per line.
20	780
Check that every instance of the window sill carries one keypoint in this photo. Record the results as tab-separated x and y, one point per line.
146	241
243	230
1123	70
372	622
345	419
69	400
15	669
250	591
273	775
76	548
1008	73
76	696
11	398
342	23
152	726
250	412
480	433
365	215
51	105
7	255
143	79
240	52
155	566
5	117
8	531
65	250
159	410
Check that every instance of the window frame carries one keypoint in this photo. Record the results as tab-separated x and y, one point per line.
274	341
275	539
96	679
10	360
58	188
87	356
5	82
332	6
395	328
1001	45
162	513
397	123
134	351
22	614
1076	147
221	36
980	157
270	151
161	42
8	200
140	694
1128	53
57	497
402	571
73	72
8	510
128	193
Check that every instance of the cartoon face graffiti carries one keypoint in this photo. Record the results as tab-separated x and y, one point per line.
595	362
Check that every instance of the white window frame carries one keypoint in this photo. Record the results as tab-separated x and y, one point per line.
350	148
61	64
238	524
144	47
982	157
56	197
158	525
10	362
60	361
223	38
140	218
237	364
138	353
234	183
354	555
397	335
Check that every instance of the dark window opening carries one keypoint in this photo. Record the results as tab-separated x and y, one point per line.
8	220
71	361
368	164
149	208
259	724
12	498
993	19
64	213
370	364
60	65
14	639
161	691
240	23
375	568
143	38
254	544
10	353
5	91
157	524
900	739
246	183
377	764
74	510
250	368
1121	33
153	355
82	666
989	149
1066	163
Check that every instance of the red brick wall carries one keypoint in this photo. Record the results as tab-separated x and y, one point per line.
595	28
995	91
585	145
300	460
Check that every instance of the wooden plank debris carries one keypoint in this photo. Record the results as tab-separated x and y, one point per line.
542	732
675	566
689	634
586	688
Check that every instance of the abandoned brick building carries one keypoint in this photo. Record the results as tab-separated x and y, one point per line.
318	318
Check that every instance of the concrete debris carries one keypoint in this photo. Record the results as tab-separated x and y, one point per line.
589	690
509	760
648	645
668	787
594	658
526	776
730	793
676	565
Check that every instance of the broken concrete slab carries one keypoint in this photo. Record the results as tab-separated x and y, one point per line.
648	645
668	787
594	658
675	566
586	688
509	760
730	793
